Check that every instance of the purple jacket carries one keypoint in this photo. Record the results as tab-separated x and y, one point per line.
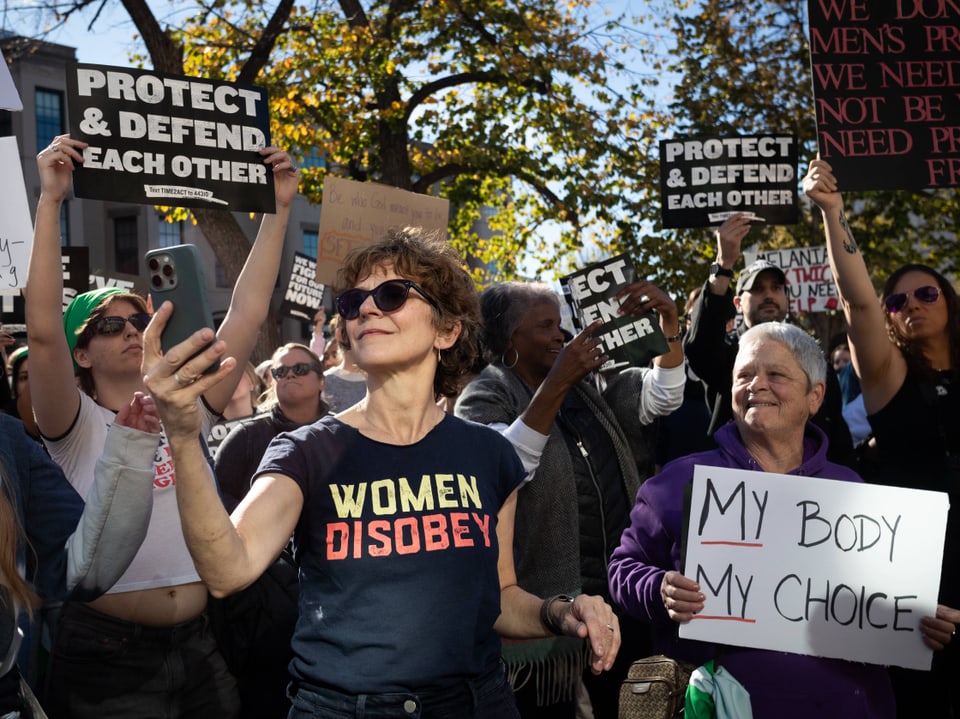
780	684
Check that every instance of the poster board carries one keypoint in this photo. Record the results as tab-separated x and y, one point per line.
16	230
886	83
354	214
303	296
628	341
814	566
704	180
161	139
810	286
9	97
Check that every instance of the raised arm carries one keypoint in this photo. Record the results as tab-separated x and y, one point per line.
250	303
229	552
56	399
879	364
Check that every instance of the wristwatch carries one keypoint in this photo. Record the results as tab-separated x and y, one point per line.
716	270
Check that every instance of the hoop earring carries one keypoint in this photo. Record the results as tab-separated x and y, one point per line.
439	357
516	358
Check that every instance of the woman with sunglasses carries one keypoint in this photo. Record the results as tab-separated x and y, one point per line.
906	350
402	514
155	612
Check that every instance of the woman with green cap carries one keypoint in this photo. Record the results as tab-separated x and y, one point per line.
144	644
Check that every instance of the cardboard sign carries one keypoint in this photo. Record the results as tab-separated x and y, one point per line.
704	180
160	139
9	97
16	230
814	566
886	80
810	286
354	214
303	296
628	341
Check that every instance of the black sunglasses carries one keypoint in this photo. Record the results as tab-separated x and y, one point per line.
299	370
388	296
927	294
109	326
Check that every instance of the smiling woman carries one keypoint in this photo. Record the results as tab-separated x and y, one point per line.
906	351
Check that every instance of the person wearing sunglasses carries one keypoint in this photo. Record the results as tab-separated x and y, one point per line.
156	609
402	513
906	350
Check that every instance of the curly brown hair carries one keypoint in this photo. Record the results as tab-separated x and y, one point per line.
427	259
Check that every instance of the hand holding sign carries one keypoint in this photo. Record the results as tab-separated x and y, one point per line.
820	186
56	164
730	238
681	596
286	176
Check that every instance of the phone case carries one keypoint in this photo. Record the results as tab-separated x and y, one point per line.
176	274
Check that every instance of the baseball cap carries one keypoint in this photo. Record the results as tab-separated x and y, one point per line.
80	309
749	274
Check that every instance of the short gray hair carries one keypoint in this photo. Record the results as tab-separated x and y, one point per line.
503	306
803	346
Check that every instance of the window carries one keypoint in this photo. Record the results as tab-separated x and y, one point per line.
171	233
310	243
126	249
49	116
6	123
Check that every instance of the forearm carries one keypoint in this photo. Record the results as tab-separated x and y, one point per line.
847	264
116	514
214	543
44	290
520	615
670	326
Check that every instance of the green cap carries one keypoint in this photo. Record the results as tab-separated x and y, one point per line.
79	311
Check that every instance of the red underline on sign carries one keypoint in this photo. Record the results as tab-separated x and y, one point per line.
725	619
736	544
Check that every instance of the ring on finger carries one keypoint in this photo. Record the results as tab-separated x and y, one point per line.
610	627
181	381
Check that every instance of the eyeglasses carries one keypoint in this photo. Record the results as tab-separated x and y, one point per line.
299	370
927	294
387	296
109	326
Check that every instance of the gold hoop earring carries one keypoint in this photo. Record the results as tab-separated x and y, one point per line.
516	358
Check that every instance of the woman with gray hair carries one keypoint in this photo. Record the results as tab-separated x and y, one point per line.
589	453
778	384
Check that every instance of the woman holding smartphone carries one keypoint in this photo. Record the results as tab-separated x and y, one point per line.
144	645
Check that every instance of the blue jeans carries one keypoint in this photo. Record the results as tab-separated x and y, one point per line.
105	667
489	696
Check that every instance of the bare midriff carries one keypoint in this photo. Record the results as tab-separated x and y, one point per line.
160	607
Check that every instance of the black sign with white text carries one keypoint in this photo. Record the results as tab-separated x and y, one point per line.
161	139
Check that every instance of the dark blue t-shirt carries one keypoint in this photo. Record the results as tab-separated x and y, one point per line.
398	551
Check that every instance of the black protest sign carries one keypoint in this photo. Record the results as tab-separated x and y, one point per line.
304	295
628	341
160	139
704	180
886	79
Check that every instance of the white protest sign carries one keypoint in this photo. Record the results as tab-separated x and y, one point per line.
810	286
16	230
9	97
814	566
355	214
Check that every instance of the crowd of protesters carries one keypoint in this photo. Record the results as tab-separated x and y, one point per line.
436	505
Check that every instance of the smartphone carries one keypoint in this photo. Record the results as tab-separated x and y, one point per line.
176	274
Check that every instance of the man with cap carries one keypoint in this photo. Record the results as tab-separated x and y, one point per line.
761	296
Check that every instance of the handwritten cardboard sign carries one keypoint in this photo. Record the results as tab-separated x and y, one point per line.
810	286
355	214
16	230
814	566
703	180
628	341
886	80
303	296
9	97
161	139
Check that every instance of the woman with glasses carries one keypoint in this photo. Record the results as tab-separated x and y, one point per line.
402	514
144	644
906	350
